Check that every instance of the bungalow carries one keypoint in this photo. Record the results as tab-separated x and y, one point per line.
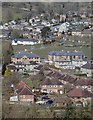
51	86
25	57
23	94
88	69
24	42
79	96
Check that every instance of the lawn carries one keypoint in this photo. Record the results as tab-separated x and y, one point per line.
43	51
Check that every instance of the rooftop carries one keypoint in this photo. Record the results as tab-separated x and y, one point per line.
66	53
24	53
78	92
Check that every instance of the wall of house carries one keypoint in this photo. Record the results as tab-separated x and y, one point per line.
85	101
89	72
25	59
64	58
52	89
26	98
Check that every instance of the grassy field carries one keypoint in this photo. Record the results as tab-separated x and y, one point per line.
43	51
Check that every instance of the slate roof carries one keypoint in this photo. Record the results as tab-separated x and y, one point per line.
53	81
56	75
30	63
24	53
38	67
68	78
64	53
78	92
88	65
28	40
83	82
12	67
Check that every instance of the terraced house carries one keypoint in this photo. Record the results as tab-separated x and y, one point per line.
67	59
25	57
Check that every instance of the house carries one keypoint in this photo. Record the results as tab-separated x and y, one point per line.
54	74
65	55
67	59
38	68
61	101
76	32
51	85
79	96
63	27
86	32
88	69
12	68
4	33
84	84
24	41
22	94
27	66
25	57
67	79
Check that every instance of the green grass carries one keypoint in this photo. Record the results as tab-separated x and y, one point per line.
43	52
32	84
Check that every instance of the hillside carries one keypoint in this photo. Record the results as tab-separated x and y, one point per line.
11	10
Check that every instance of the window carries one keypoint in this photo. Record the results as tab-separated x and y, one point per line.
60	85
50	91
78	97
55	85
63	103
23	96
50	85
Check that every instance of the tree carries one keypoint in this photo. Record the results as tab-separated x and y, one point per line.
9	16
69	112
7	72
45	31
7	52
15	33
4	68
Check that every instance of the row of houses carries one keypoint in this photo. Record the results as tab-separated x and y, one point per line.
67	59
71	60
25	60
80	91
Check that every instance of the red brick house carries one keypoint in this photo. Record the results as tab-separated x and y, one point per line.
23	94
79	96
